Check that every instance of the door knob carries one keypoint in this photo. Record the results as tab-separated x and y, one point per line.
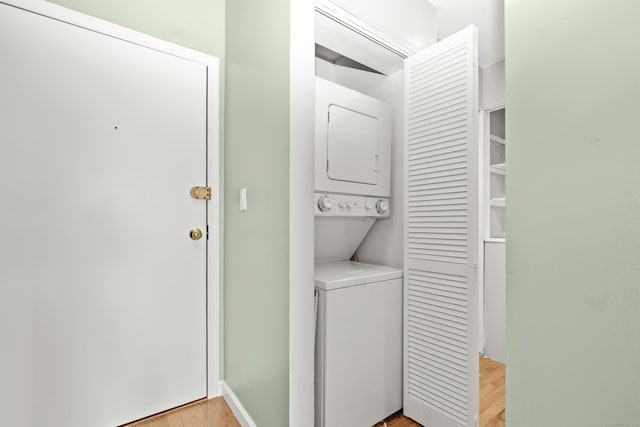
195	234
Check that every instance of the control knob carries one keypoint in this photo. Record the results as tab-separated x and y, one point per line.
352	205
368	205
382	206
325	203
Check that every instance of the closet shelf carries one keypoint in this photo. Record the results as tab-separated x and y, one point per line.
499	168
499	202
497	139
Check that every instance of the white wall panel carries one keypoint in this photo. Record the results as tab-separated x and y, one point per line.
492	86
494	285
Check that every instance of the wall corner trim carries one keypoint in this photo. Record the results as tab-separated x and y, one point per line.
236	407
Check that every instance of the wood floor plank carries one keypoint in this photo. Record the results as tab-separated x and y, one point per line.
491	393
205	413
494	407
216	413
397	420
498	421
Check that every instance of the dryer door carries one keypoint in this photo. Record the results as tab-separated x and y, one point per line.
353	146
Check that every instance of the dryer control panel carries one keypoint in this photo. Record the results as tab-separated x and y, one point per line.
348	205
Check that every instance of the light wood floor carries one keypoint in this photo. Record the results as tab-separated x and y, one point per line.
491	393
492	390
204	413
216	413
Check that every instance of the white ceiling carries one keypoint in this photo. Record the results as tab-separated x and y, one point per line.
487	15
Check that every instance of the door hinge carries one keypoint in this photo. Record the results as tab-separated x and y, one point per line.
201	193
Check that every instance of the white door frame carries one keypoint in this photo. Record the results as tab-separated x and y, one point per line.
301	217
214	180
484	213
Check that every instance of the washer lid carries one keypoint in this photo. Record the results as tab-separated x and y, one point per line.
342	274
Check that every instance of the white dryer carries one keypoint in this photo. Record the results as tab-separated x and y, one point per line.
353	142
358	343
352	173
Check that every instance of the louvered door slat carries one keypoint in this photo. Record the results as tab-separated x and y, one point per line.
445	105
445	175
447	343
418	157
437	60
434	102
438	182
438	90
438	124
437	157
441	223
436	208
440	199
427	358
417	146
438	65
450	349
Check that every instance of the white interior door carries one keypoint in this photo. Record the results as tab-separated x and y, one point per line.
441	223
103	293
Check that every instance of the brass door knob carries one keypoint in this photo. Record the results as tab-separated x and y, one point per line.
195	234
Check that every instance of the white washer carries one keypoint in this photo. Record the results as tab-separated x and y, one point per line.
358	343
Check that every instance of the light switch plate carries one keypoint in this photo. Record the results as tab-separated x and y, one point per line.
243	199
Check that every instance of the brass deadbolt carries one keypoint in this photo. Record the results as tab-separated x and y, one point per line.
195	234
201	193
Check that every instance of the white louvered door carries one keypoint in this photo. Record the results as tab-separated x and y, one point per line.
441	233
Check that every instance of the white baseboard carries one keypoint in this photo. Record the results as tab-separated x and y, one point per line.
236	407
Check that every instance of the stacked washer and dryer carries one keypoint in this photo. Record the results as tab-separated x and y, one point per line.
359	315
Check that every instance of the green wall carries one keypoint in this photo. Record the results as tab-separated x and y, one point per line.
573	223
197	24
256	266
